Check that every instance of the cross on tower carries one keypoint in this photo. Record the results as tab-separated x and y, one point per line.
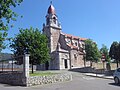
50	2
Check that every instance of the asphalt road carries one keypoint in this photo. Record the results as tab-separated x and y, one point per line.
79	82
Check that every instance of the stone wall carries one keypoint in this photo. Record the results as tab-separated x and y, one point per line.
40	80
16	78
77	62
13	78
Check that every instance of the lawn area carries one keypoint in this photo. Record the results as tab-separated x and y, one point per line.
42	73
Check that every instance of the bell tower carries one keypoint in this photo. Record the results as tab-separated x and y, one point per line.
52	30
51	17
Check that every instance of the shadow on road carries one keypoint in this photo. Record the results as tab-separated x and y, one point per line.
83	70
113	84
10	85
93	70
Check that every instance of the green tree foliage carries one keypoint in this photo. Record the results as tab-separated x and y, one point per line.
105	53
6	15
114	52
92	51
32	41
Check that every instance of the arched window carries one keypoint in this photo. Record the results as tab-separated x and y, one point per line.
54	20
76	44
75	56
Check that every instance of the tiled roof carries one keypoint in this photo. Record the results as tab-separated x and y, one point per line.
83	39
68	35
75	37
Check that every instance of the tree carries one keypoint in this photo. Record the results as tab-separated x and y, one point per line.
6	15
114	52
92	51
32	41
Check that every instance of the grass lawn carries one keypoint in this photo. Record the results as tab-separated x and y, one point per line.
41	73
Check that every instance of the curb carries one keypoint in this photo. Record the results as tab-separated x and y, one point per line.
100	77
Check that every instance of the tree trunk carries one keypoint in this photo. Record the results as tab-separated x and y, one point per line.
84	61
32	68
103	64
117	63
91	64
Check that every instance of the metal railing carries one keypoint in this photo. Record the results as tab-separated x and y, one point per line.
12	64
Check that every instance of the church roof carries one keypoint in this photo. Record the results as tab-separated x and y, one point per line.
51	10
75	37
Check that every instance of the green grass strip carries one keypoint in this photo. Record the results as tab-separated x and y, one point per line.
41	73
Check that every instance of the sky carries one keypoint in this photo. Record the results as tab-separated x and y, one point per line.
98	20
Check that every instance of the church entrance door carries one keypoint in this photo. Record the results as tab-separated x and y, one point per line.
66	65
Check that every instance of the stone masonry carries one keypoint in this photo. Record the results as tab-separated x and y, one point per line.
22	78
17	78
67	51
40	80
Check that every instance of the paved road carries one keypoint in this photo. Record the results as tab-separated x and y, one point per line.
79	82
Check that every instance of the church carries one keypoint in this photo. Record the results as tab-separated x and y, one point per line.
66	51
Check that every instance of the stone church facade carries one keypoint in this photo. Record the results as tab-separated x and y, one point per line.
66	51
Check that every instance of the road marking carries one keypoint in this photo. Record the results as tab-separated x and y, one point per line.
88	78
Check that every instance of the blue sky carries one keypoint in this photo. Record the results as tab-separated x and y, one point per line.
95	19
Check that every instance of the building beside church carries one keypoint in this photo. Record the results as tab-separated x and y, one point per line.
66	51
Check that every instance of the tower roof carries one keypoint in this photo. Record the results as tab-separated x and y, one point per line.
51	9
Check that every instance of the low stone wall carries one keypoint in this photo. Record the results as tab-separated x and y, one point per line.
16	78
109	73
39	80
12	78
